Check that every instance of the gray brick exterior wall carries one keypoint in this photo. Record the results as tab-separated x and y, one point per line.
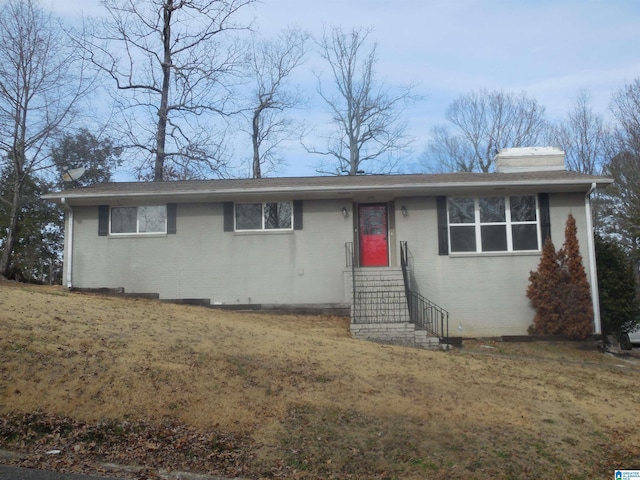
485	294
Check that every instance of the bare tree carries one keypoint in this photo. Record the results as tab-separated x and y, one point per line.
173	69
623	197
621	202
583	136
365	112
587	142
625	107
448	153
484	122
40	86
270	65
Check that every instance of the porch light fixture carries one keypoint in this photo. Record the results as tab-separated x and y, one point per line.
404	211
345	213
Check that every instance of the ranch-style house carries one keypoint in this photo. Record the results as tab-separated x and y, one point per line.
411	258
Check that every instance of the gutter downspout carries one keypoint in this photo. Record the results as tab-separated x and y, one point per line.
593	272
68	261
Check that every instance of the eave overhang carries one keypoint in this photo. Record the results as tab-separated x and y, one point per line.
361	188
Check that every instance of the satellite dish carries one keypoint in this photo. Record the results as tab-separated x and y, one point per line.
73	174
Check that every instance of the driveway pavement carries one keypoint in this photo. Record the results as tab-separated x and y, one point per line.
15	473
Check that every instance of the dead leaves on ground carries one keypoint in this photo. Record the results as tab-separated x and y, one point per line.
67	445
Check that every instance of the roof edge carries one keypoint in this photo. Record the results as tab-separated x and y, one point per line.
587	182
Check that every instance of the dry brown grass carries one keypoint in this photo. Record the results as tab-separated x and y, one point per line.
315	401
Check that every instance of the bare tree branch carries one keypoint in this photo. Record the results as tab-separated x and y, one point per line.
366	113
583	136
174	64
41	84
270	66
622	199
484	122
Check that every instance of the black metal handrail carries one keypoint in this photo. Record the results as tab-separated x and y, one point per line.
404	263
377	306
351	262
348	254
422	312
429	316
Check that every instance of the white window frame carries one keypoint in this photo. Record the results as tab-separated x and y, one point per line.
137	232
508	224
262	216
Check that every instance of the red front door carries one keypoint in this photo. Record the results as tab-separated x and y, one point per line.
374	247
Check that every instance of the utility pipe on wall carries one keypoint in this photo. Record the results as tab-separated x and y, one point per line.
68	260
593	272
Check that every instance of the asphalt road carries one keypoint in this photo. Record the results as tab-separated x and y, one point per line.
15	473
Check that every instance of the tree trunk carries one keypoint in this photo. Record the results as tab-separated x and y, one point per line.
161	138
256	145
354	156
12	231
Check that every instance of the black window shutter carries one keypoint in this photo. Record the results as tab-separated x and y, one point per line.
227	208
103	220
443	233
545	217
171	218
297	214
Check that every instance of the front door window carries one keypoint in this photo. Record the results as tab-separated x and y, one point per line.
373	229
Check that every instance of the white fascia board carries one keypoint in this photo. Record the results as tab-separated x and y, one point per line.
319	191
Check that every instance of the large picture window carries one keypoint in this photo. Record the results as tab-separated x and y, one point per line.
263	216
493	224
151	219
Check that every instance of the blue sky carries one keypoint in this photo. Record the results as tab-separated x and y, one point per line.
550	49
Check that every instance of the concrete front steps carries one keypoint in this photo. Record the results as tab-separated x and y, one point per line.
379	309
379	296
403	333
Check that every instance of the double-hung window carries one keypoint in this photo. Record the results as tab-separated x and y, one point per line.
493	224
133	220
264	216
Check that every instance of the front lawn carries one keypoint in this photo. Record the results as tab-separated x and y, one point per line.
172	387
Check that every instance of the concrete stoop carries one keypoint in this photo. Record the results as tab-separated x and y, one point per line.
396	333
379	312
425	340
